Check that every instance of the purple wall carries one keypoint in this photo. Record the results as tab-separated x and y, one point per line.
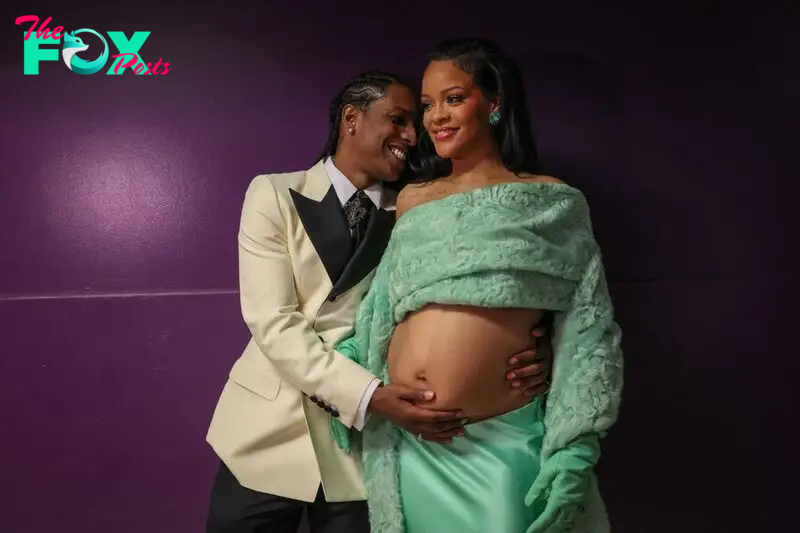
119	205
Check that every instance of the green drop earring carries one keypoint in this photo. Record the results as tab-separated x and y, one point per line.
494	118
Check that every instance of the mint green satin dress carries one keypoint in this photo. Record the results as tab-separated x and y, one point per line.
478	483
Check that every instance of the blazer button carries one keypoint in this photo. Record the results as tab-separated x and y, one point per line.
334	413
313	398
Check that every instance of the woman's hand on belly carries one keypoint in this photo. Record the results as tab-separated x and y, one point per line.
479	387
463	355
529	370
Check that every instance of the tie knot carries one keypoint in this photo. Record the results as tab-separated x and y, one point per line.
356	208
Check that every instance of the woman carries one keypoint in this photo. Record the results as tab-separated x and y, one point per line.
483	248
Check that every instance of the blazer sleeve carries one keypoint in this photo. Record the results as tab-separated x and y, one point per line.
270	309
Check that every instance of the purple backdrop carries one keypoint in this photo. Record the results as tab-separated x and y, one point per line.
119	205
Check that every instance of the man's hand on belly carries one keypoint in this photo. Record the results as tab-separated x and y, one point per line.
397	403
530	369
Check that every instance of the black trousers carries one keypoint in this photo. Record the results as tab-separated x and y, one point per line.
237	509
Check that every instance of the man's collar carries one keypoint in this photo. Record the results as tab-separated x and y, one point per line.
345	189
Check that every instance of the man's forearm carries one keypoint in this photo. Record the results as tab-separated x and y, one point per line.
361	415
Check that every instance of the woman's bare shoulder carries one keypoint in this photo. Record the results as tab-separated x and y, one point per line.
540	178
415	194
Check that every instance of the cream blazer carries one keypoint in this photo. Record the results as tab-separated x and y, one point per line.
299	295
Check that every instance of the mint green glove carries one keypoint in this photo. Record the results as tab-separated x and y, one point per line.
563	484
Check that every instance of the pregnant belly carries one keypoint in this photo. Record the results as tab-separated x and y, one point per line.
461	354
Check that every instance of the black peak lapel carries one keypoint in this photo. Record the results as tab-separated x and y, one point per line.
327	228
369	252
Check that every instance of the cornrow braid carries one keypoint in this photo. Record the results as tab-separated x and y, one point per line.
360	92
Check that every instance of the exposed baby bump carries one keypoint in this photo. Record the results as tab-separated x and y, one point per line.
461	354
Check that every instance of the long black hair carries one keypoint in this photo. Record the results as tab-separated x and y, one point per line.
360	92
498	76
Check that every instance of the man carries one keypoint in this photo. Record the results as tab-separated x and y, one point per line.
309	242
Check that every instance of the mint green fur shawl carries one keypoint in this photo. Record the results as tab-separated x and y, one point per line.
516	244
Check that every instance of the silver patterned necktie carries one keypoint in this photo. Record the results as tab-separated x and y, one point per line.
356	212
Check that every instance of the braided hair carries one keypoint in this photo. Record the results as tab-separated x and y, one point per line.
360	92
